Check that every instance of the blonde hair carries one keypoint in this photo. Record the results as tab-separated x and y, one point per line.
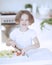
20	13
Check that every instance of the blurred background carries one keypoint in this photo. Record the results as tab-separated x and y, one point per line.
41	10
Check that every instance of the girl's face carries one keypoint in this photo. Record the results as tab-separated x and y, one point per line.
24	21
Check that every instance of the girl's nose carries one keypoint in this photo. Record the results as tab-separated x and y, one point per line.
24	21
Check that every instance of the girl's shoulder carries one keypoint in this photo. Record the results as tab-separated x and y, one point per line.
32	31
14	30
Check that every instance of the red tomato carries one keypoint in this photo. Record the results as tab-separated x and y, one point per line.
18	53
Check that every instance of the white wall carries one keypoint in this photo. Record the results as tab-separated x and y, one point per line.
15	5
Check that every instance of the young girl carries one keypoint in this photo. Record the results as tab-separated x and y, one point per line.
22	37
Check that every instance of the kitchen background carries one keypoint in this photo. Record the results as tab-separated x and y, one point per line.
41	9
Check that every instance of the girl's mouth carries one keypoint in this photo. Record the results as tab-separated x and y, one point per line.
24	24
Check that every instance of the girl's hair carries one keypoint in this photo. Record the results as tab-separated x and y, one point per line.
20	13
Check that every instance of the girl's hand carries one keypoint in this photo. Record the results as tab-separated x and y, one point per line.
23	52
18	53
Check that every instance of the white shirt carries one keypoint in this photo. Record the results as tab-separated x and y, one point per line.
23	39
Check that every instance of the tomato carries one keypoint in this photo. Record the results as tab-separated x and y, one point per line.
18	53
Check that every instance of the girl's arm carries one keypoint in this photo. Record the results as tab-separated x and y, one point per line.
12	43
33	46
18	50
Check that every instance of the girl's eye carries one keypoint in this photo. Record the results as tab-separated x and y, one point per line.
21	19
26	20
